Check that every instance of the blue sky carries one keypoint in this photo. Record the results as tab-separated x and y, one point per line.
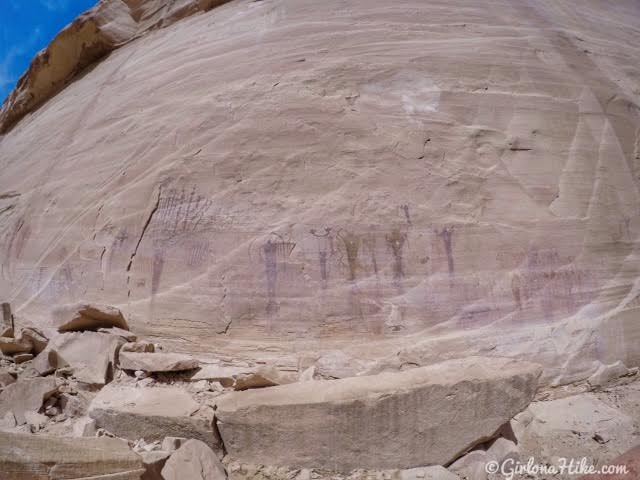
27	26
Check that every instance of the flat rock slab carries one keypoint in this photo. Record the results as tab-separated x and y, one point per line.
152	414
193	461
157	362
25	396
84	316
243	378
90	354
54	458
424	416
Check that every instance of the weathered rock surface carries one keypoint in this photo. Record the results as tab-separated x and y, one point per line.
140	347
79	317
32	457
575	427
157	362
26	395
418	417
107	26
194	461
90	355
310	198
152	414
243	378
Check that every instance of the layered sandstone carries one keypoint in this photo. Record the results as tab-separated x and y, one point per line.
404	181
424	416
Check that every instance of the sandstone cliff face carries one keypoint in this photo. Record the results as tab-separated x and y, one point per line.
407	181
107	26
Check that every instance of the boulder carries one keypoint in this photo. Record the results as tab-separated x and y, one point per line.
85	427
607	373
26	395
243	378
574	427
91	355
157	362
153	462
502	449
139	347
82	316
55	458
427	415
472	466
12	346
152	414
36	420
172	443
35	337
194	461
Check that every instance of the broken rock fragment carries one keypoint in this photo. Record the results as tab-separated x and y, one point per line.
194	461
423	416
12	346
157	362
243	378
26	395
89	354
152	414
139	347
55	458
82	316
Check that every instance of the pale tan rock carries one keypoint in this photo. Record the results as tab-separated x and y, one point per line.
262	377
26	395
35	337
502	449
225	375
570	428
472	466
157	362
238	222
152	414
8	421
85	316
454	405
84	427
6	331
607	373
153	463
243	378
35	420
193	461
170	444
126	334
140	347
90	355
75	405
307	375
6	379
54	458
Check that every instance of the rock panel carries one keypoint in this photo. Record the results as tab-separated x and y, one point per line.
419	417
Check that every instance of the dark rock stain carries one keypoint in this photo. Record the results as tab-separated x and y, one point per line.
447	236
